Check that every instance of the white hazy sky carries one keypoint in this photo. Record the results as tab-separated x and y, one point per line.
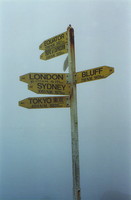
35	145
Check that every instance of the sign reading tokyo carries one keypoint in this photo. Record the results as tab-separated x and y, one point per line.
54	46
94	74
45	78
46	102
50	88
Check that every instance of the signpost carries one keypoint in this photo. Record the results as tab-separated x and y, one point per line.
62	84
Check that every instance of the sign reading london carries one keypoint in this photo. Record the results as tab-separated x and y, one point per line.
54	46
45	102
94	74
45	78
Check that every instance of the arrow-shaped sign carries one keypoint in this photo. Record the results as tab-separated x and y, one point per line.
54	41
53	52
50	88
45	102
61	78
54	46
94	74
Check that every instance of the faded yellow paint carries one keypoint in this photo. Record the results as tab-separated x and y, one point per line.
94	74
45	102
50	88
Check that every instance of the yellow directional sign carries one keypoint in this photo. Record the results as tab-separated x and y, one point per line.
46	102
54	52
45	78
94	74
50	88
54	46
54	41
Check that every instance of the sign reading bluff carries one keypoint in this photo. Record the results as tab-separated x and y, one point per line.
49	88
46	102
94	74
54	46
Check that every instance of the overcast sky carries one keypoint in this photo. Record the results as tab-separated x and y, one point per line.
35	153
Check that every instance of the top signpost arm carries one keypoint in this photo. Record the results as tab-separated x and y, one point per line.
73	113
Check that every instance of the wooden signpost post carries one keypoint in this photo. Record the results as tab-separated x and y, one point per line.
62	84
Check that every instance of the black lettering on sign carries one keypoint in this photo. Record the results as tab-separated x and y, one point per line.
54	50
47	86
48	100
39	85
47	52
50	47
63	87
55	39
83	74
92	72
50	56
30	100
46	76
100	70
40	100
87	78
59	53
98	77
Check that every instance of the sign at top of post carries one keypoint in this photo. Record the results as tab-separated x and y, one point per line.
51	42
54	46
